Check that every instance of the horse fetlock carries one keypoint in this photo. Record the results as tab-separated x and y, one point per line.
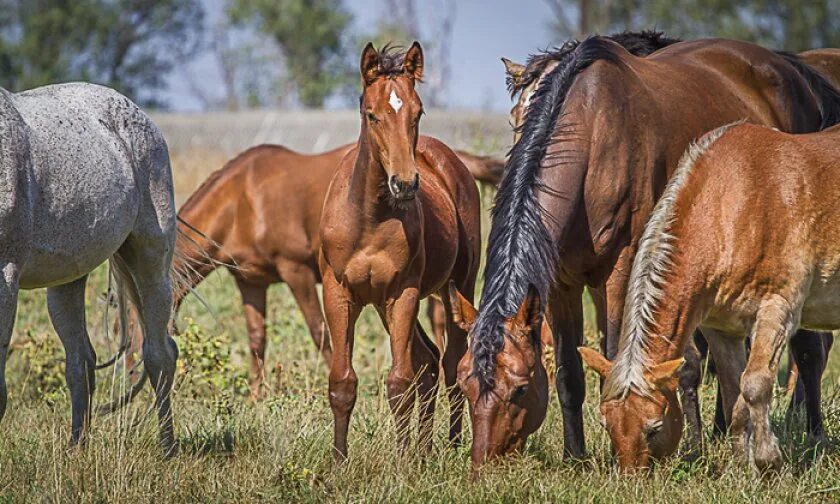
767	456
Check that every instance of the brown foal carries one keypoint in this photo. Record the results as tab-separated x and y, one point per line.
258	216
400	220
744	240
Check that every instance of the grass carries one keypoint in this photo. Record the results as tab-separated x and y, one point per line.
279	448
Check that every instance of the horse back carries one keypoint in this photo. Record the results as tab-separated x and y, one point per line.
264	206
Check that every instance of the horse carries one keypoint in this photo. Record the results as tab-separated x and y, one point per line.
400	220
231	221
726	248
603	132
522	80
87	179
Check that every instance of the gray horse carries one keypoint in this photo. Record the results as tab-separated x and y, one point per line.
85	178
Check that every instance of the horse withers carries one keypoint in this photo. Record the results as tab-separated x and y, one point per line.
400	220
744	241
87	179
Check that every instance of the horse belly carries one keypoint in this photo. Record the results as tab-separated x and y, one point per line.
86	206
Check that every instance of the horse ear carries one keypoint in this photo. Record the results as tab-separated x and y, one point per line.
530	309
595	361
463	312
514	70
665	376
413	62
369	66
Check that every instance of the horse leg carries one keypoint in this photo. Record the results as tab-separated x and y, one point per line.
809	354
341	314
566	322
427	362
144	262
9	277
773	326
66	305
456	347
730	358
436	313
301	281
253	303
689	379
400	319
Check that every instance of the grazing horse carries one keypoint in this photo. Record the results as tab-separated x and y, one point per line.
743	241
258	216
810	347
86	179
400	220
603	132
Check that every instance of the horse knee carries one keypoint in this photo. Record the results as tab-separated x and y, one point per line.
343	393
757	387
398	384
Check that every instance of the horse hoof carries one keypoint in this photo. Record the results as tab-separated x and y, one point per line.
768	460
170	450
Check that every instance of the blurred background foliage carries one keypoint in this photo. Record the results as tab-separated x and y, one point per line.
302	53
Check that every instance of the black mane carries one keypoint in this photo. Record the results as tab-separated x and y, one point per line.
828	98
520	252
640	43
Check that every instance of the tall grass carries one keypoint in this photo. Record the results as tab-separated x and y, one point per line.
279	449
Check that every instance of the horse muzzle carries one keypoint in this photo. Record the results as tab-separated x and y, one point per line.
404	190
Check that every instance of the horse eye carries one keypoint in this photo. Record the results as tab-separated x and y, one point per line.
519	392
371	117
653	428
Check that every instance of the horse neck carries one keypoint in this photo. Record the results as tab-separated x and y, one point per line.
367	181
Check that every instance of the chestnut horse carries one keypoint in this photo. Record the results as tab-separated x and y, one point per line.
400	220
743	240
258	216
808	347
604	131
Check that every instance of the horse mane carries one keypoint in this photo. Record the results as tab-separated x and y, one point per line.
520	251
828	98
651	264
640	43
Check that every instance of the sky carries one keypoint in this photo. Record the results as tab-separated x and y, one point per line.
484	31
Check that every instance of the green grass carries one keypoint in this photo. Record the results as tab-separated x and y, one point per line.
278	449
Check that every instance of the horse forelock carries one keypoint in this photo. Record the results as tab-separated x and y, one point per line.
651	265
520	250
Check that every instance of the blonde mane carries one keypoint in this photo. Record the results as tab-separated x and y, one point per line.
650	266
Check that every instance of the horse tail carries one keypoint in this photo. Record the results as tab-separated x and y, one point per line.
126	292
827	96
187	270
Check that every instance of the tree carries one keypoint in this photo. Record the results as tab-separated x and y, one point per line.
794	25
311	35
129	45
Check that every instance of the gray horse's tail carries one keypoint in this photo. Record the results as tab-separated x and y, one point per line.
185	273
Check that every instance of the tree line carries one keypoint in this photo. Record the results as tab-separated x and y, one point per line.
303	52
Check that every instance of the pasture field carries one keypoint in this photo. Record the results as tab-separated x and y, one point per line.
279	448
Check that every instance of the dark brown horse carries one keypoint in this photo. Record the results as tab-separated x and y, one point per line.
258	216
400	221
604	132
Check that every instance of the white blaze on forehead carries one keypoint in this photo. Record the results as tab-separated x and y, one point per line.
395	101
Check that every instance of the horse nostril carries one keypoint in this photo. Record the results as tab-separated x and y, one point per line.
415	185
394	184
